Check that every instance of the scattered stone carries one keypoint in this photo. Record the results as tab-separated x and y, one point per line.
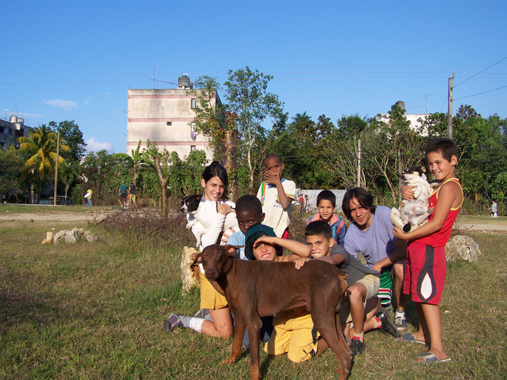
70	237
462	248
188	270
89	237
60	237
50	237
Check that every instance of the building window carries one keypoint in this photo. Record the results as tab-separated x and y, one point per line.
169	123
192	148
192	103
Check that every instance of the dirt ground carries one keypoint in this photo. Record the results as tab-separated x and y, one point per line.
97	215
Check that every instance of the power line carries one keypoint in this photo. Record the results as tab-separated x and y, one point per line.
481	72
480	93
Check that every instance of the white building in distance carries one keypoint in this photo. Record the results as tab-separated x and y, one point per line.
165	118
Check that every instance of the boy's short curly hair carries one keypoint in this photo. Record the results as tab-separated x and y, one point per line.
319	228
326	195
249	203
444	146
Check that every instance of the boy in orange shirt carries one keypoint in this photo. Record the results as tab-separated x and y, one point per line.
426	263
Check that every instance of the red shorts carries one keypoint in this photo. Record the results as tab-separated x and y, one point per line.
425	274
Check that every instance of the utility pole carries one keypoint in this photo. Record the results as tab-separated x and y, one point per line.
359	163
56	166
449	111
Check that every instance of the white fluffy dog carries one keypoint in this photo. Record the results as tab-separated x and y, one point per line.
201	214
413	214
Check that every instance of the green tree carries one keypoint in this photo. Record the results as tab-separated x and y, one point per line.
246	95
40	150
11	165
68	173
161	164
73	137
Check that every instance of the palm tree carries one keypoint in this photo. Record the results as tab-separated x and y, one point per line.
40	148
68	173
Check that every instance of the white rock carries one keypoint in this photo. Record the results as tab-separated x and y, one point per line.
462	248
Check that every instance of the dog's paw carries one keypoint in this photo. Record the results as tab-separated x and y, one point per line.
230	360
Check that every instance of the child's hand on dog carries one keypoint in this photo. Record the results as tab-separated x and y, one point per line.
224	209
407	192
300	262
399	234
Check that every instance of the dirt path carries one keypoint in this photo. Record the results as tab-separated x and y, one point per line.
54	216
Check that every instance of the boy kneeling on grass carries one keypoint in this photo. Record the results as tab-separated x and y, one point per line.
294	332
361	303
426	262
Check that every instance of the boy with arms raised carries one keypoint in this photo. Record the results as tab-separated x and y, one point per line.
326	204
363	283
276	195
294	331
426	263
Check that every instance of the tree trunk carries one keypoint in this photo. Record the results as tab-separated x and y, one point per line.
163	187
231	163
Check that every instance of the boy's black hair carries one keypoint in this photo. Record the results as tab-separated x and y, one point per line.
319	228
271	155
249	203
364	198
444	146
326	195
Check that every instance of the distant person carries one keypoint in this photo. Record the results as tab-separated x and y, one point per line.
132	194
122	191
88	197
494	210
276	195
326	204
426	262
307	203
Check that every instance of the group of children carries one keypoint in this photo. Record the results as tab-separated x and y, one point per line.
264	233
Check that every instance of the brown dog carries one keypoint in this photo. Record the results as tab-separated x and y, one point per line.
256	289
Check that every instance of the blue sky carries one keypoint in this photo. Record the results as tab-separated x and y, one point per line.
75	60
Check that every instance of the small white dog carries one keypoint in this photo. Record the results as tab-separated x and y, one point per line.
201	214
413	214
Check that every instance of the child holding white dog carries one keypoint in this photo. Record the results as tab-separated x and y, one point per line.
426	262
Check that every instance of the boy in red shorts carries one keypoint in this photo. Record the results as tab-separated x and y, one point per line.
426	264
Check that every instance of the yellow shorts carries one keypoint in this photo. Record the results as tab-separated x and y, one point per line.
295	336
132	197
210	298
372	284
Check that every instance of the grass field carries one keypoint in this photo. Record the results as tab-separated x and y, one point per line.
94	311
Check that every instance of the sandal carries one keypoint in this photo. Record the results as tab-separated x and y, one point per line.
410	338
429	358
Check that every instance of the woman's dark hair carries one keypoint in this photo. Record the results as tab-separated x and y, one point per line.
364	198
217	170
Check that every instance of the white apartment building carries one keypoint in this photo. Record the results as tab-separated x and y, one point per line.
11	130
165	118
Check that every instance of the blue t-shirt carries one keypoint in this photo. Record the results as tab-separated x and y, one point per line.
376	243
238	238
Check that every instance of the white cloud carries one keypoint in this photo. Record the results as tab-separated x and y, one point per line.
92	145
65	104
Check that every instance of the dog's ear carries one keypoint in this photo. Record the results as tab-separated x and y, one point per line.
231	249
423	169
197	258
198	197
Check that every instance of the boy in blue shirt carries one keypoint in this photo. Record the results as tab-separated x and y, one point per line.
326	204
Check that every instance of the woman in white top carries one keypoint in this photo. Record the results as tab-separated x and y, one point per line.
214	182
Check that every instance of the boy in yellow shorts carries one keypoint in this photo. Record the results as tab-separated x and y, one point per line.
361	302
293	332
